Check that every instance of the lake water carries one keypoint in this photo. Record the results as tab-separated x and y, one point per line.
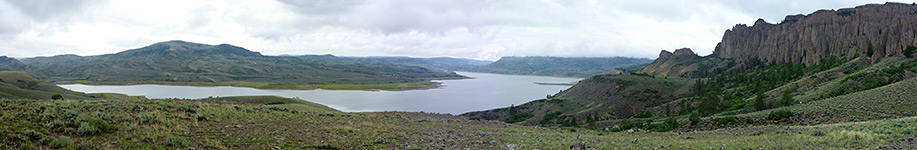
485	91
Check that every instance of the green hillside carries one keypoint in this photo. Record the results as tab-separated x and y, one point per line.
295	104
178	62
436	63
560	66
835	91
11	64
16	84
600	97
250	123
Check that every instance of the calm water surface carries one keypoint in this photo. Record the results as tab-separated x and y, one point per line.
485	91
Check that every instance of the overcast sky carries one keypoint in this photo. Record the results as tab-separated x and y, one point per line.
420	28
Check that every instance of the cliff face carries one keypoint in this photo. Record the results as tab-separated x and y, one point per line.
887	29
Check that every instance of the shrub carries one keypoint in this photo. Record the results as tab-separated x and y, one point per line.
474	118
57	97
644	114
909	51
695	118
57	125
780	114
549	116
176	141
188	108
757	133
32	134
86	129
818	133
725	120
628	125
669	124
61	142
274	103
851	138
518	117
102	125
146	118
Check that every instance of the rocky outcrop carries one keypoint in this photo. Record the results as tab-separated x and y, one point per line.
873	30
671	64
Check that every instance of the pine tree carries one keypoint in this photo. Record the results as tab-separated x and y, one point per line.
695	118
759	101
786	98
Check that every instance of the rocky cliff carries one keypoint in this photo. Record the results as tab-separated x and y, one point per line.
872	30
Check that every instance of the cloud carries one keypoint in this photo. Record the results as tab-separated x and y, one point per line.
455	28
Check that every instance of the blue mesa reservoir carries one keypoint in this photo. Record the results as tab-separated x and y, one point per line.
485	91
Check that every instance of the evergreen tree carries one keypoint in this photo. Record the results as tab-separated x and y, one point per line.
695	118
759	101
786	99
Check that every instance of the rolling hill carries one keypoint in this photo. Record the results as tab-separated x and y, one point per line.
559	66
18	85
179	62
12	64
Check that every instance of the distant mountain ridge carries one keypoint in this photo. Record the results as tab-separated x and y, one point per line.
12	64
186	62
560	66
182	48
435	63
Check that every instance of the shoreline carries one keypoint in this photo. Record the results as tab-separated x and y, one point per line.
559	84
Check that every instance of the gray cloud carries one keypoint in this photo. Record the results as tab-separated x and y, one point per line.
323	7
42	10
424	15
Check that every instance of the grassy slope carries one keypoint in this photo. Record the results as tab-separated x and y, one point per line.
295	104
15	84
236	124
600	96
891	101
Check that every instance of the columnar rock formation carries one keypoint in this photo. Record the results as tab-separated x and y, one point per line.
887	29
